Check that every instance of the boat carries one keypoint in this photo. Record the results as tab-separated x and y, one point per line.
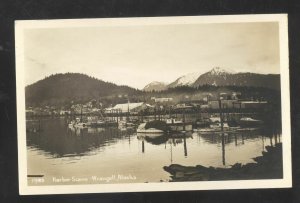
215	119
125	124
178	125
247	122
173	121
77	123
92	122
232	123
151	131
201	123
80	125
218	126
107	123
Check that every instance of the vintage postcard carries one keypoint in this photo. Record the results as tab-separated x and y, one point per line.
153	104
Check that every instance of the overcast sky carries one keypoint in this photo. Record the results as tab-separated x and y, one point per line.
138	55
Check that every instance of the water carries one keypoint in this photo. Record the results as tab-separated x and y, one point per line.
97	155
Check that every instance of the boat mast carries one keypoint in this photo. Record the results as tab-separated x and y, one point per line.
81	113
128	110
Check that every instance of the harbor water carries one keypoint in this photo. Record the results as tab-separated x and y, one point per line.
57	154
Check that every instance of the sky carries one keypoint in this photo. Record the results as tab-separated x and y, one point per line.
140	54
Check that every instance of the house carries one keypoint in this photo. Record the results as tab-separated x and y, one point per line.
108	110
161	100
64	112
227	104
79	108
235	95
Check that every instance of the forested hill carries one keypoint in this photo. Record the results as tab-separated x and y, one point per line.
223	78
60	88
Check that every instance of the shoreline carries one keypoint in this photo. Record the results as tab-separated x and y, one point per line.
267	166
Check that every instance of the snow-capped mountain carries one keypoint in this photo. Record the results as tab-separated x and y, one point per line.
155	86
186	80
221	77
220	71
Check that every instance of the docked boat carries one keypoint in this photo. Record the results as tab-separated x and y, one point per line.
92	122
178	125
151	131
173	121
77	123
247	122
201	123
218	125
215	119
232	123
80	125
96	122
125	124
107	123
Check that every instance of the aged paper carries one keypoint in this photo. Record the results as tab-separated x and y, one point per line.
153	104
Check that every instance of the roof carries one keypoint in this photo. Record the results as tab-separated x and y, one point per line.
124	107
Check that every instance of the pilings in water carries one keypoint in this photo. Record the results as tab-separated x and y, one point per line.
222	128
183	119
221	114
185	147
223	149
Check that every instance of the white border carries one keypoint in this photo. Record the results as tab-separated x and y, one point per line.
24	189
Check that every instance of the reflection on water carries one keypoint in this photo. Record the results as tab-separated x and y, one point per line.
59	141
59	151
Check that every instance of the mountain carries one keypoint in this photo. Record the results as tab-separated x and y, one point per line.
60	88
221	77
186	80
155	86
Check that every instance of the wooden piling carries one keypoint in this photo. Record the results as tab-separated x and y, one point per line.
221	114
183	119
184	145
223	149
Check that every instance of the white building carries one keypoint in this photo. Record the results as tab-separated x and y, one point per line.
163	99
129	107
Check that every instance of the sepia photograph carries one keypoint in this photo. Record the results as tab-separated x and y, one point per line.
153	104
